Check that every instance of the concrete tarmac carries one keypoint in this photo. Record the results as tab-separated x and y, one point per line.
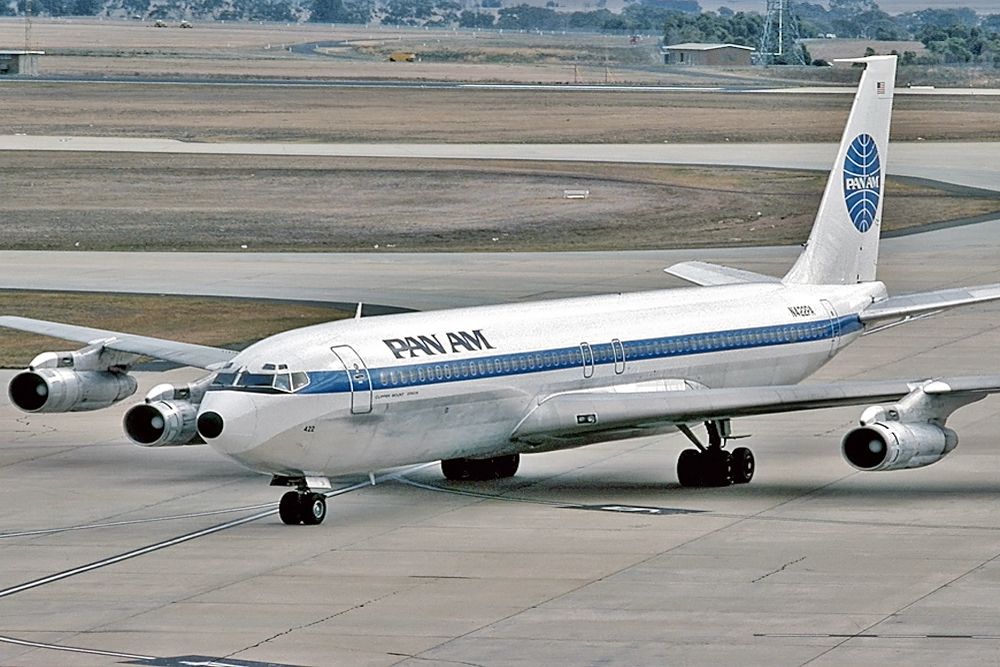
972	164
113	554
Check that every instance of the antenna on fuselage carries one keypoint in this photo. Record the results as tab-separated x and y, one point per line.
357	313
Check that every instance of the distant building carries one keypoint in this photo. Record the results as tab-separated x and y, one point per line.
707	54
19	62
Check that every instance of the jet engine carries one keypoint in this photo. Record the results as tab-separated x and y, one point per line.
168	417
897	445
90	378
67	390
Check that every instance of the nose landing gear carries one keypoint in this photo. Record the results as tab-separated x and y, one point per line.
302	507
713	465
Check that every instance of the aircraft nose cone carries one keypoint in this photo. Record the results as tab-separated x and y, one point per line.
210	425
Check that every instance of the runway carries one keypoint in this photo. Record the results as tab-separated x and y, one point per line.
592	556
970	164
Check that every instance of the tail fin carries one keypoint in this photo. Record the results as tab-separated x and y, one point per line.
843	244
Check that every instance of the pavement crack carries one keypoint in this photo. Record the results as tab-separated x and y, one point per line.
410	656
311	624
780	569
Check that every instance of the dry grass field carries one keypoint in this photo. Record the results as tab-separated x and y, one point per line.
273	113
187	202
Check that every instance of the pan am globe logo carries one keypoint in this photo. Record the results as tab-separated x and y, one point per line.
862	181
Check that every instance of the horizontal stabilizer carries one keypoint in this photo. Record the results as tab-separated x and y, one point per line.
186	354
708	275
908	305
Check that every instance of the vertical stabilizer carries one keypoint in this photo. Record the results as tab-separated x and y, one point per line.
843	245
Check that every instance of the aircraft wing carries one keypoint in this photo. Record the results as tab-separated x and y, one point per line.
708	275
585	415
908	305
188	354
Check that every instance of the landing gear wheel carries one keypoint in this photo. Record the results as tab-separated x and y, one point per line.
312	508
743	465
718	468
479	470
289	509
689	468
506	466
456	470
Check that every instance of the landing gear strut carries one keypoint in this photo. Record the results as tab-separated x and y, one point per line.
713	465
479	470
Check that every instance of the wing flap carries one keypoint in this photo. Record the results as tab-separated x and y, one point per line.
908	305
584	414
187	354
709	275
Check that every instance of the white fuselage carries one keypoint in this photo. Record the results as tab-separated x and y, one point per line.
401	389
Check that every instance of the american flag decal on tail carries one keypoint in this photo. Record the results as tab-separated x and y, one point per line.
880	88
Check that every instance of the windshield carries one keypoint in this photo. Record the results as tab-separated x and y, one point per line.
282	381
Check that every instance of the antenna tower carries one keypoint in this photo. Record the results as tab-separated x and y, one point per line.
27	25
779	39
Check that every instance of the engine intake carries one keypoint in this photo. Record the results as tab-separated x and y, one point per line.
66	390
897	445
162	424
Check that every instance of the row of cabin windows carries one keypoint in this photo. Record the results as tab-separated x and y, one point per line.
461	370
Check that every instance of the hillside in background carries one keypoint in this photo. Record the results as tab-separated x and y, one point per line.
891	6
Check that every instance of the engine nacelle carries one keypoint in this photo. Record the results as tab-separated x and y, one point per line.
897	445
162	423
67	390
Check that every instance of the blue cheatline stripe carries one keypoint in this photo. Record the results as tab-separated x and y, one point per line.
604	354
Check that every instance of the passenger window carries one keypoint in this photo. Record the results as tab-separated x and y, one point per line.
438	373
447	371
421	373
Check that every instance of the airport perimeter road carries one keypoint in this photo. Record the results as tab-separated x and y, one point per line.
969	164
946	257
590	556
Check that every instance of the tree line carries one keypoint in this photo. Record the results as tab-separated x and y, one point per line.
950	35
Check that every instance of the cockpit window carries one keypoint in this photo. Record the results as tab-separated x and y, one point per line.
299	380
255	380
281	380
224	379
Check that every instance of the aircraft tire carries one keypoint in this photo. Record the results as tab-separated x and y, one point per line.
744	465
506	466
717	468
456	470
312	508
690	468
480	470
290	509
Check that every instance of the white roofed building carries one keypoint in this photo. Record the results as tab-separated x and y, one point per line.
733	55
24	63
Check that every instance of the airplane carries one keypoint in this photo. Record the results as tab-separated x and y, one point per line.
478	387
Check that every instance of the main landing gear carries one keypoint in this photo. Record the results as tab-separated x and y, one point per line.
713	465
480	470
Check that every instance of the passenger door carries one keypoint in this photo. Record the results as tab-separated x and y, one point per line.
358	377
